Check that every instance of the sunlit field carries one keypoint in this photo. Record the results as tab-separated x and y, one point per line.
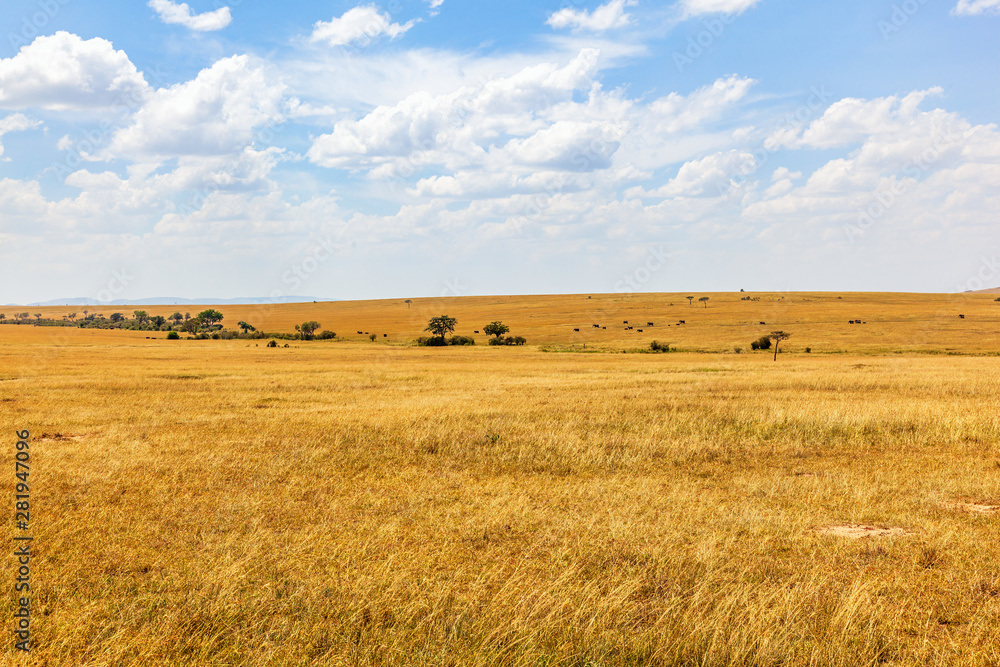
352	502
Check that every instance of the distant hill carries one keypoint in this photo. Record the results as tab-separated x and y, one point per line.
177	301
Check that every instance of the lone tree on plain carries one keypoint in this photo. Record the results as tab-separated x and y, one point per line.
246	326
690	300
496	329
441	326
777	337
704	300
408	302
307	329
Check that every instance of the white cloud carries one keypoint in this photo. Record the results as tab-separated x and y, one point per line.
217	113
852	121
472	125
606	17
171	12
976	7
63	71
358	26
699	7
17	122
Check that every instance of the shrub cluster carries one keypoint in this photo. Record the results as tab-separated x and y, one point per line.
437	341
508	340
762	343
656	346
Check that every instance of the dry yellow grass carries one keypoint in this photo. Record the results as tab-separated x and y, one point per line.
894	322
214	503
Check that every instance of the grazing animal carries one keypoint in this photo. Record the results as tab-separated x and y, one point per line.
625	322
962	316
851	322
649	324
763	322
639	330
597	326
387	335
682	322
360	332
575	329
604	327
476	331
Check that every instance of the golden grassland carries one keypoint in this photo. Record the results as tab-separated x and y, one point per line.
894	322
341	503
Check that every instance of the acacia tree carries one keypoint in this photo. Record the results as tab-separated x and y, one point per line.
38	317
140	316
307	329
209	317
704	300
246	326
496	329
441	326
408	302
777	337
690	300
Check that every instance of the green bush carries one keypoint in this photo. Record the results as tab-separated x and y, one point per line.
432	341
461	340
272	343
326	335
172	335
656	346
509	340
762	343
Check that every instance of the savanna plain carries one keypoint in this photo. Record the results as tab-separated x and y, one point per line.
575	501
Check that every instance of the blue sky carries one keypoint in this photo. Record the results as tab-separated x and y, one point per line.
425	148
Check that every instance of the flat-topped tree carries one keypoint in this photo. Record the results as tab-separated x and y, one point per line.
441	326
704	300
690	300
777	337
210	317
496	329
408	302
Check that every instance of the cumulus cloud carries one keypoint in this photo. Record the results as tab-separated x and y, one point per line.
358	26
17	122
606	17
216	113
699	7
976	7
851	121
472	125
171	12
63	71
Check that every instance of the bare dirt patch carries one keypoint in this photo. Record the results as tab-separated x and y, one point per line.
857	531
975	508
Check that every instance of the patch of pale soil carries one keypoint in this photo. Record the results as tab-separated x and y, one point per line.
857	531
975	508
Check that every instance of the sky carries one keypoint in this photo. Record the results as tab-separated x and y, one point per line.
412	148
